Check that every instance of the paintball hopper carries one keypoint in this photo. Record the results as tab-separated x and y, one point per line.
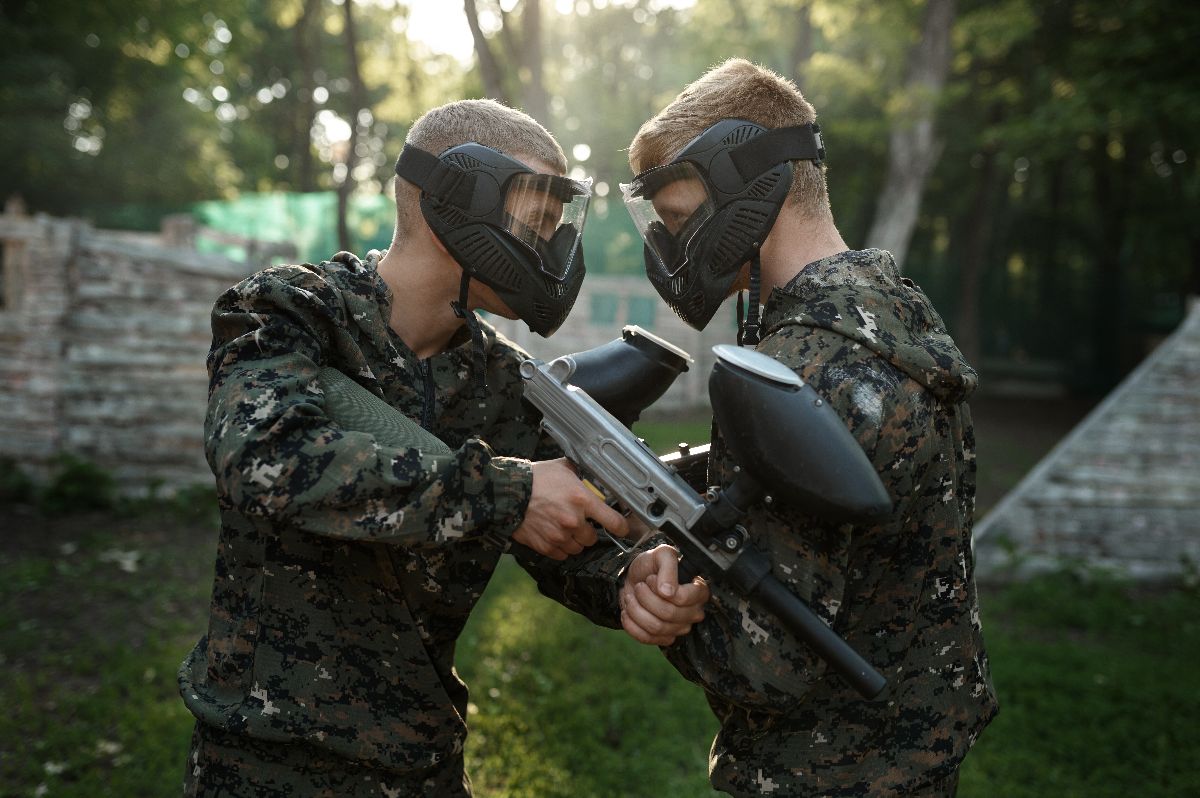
628	374
792	442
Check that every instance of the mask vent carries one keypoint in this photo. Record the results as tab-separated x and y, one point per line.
465	161
554	288
764	185
740	134
544	313
734	242
452	216
487	260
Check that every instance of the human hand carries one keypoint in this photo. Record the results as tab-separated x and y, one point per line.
655	608
556	520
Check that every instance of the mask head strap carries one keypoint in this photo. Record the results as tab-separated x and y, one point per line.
802	143
436	177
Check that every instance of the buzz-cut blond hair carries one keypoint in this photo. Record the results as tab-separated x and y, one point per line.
736	89
485	122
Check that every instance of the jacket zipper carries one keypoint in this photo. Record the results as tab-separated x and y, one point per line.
427	406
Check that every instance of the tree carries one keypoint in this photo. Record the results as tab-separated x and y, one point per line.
519	58
913	146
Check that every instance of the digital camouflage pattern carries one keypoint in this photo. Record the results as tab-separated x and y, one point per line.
346	569
901	593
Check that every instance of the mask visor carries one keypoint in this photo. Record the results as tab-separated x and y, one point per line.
546	213
668	204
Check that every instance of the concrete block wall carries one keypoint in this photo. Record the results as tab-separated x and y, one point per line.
103	338
1122	490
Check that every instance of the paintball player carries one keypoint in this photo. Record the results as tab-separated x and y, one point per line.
346	567
730	194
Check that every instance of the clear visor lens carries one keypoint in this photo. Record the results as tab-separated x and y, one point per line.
668	205
546	213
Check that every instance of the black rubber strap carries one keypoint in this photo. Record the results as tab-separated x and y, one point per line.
478	345
435	177
776	146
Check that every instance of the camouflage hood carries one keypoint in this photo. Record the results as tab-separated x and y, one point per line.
861	295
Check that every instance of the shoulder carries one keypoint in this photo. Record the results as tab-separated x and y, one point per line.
304	289
868	392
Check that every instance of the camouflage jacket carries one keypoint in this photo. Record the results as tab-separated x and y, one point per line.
901	593
346	569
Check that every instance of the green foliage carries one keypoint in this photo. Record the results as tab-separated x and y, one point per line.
77	485
1057	225
15	484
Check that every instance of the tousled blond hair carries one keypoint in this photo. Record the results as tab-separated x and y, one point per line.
736	89
485	122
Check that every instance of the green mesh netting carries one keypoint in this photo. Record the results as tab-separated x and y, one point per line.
308	221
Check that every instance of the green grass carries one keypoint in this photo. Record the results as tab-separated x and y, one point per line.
1096	678
1098	691
95	613
563	708
1096	681
662	437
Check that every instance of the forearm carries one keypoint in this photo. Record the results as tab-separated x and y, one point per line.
587	583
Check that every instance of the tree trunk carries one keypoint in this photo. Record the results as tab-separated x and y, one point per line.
358	96
974	262
489	68
533	88
913	148
306	179
1110	337
802	43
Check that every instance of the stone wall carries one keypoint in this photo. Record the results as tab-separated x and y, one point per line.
1122	490
103	338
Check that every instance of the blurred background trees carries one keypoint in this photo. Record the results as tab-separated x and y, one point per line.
1032	164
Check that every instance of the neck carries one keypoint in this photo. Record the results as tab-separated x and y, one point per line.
422	286
794	242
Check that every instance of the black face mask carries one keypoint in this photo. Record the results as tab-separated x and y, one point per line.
709	210
513	229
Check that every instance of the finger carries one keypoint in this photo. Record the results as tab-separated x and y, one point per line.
586	536
673	617
691	595
666	560
564	538
607	517
634	630
653	613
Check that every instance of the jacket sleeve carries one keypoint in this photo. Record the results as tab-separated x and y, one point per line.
276	455
587	583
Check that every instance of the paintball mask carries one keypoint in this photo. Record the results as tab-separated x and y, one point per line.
514	229
709	210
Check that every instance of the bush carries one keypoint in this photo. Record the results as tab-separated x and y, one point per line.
15	485
78	485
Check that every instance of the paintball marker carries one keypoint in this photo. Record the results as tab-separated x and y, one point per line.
762	407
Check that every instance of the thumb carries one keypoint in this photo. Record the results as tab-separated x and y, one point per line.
668	571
